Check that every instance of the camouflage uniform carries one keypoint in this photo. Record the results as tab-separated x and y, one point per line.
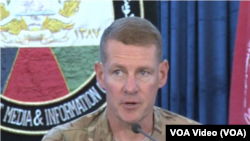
95	127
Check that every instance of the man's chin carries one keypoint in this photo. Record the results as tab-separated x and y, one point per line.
130	120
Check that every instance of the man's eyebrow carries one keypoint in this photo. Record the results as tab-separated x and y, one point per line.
146	68
120	66
116	66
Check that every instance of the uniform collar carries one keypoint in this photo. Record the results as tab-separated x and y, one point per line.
159	127
103	130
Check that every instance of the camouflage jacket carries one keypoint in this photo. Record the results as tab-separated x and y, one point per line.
95	127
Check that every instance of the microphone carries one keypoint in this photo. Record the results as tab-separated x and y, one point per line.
136	128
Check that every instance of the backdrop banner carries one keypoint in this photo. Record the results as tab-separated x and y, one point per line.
48	51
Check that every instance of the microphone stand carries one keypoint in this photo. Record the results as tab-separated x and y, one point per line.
136	128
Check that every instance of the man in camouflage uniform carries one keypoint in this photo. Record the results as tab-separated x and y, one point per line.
131	71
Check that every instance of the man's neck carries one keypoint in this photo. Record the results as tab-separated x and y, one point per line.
122	131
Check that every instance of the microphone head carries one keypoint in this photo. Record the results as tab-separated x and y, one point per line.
136	127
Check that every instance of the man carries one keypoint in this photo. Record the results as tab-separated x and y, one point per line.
131	71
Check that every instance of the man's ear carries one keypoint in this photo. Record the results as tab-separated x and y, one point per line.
99	74
163	73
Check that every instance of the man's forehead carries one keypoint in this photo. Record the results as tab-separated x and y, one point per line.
130	66
116	50
113	47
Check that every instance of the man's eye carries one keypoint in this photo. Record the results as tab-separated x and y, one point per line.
143	73
144	76
118	72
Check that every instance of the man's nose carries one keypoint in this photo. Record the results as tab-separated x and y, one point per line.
131	86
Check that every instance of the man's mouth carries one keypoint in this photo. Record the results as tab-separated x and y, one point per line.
130	105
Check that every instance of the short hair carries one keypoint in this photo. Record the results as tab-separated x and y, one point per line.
132	31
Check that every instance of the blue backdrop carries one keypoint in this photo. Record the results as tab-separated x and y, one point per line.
198	42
